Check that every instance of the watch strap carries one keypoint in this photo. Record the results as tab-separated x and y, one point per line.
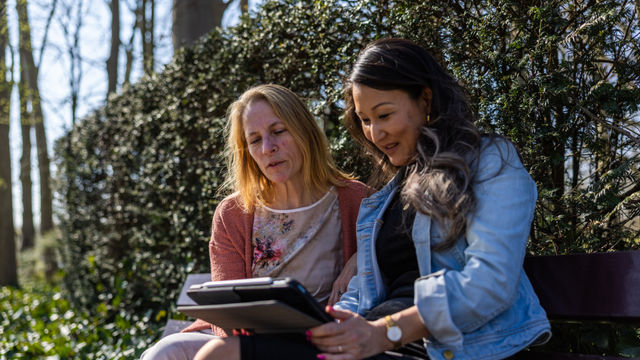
392	326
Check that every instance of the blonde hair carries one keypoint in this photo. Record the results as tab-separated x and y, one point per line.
244	176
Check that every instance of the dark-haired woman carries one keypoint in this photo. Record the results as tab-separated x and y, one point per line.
441	245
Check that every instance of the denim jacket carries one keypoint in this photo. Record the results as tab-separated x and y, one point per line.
474	297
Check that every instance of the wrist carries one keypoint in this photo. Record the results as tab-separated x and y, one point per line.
381	334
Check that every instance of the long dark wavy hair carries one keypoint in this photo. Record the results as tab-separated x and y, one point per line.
438	182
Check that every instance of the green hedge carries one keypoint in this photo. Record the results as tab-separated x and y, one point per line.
41	323
137	179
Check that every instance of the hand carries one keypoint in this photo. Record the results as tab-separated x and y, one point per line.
238	332
352	337
342	281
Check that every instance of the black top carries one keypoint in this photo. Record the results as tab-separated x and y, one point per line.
395	251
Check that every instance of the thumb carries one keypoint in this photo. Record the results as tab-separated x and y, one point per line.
339	314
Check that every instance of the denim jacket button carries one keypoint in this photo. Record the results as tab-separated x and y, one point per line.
448	354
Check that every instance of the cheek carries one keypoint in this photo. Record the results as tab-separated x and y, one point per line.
254	156
367	133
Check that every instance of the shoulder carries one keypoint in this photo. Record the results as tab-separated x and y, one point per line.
230	207
499	173
231	218
496	154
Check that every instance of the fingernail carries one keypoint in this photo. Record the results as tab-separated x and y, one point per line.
308	334
320	356
330	308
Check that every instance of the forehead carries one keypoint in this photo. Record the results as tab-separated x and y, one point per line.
367	98
258	115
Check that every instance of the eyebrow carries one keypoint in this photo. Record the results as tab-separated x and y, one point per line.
377	105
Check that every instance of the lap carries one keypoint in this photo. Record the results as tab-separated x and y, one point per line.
179	346
295	346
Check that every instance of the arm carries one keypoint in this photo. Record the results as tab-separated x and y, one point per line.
227	251
451	301
226	254
353	337
342	281
351	298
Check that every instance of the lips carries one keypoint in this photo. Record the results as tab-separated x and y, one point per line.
274	163
390	147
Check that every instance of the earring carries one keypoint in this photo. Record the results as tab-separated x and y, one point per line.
428	118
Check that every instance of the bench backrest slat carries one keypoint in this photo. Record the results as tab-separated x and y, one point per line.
603	286
192	279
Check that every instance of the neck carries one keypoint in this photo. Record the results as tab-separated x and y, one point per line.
290	195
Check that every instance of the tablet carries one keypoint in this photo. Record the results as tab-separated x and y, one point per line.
261	304
260	317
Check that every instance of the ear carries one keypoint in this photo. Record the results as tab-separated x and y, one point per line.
427	95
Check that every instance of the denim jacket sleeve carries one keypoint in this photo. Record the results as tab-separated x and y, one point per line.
350	299
456	301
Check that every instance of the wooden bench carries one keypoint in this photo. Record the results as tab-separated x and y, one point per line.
175	326
603	287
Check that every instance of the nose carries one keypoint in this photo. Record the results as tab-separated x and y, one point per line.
269	145
377	132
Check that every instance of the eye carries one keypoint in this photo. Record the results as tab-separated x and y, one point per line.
279	131
254	140
383	116
365	121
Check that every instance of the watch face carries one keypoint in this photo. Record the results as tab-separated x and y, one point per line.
394	334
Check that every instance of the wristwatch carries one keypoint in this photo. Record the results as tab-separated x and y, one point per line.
394	333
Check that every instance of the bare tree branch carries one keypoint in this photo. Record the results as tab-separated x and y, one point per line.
46	34
609	125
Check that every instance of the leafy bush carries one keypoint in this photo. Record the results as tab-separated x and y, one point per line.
138	179
41	323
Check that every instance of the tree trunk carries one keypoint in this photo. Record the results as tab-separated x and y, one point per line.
8	265
32	96
147	14
25	178
112	62
194	18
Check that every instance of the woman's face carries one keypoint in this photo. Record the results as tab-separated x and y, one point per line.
391	120
270	144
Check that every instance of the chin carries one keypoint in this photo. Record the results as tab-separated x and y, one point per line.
397	162
400	163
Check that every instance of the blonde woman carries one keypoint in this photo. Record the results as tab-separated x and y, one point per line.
292	212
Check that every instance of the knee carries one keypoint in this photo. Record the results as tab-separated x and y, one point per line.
221	348
171	347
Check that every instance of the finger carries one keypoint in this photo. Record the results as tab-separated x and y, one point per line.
335	349
339	314
330	329
329	356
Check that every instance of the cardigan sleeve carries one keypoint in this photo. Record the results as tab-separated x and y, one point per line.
227	251
228	241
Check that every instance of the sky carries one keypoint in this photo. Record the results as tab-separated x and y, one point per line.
54	73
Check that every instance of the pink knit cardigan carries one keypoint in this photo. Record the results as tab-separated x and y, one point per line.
230	248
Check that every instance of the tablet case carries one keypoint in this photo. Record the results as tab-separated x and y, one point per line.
281	305
268	316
